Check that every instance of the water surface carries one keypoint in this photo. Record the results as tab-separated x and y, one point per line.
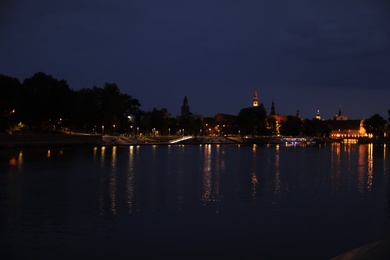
207	201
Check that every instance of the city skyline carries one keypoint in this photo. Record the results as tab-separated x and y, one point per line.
305	56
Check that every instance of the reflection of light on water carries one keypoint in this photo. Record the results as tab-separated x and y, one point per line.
130	180
254	177
207	174
103	151
362	168
211	176
113	182
101	180
12	161
48	153
384	159
335	158
16	161
94	153
370	166
254	184
20	160
277	174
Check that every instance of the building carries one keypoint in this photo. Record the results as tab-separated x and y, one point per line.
346	129
340	116
274	120
185	108
273	113
318	116
255	99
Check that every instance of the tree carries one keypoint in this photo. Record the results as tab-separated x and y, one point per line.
252	120
315	128
375	125
87	110
293	126
10	102
46	101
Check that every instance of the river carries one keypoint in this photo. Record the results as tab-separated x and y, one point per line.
193	202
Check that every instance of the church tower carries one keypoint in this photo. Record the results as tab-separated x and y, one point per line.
185	108
273	109
255	99
318	116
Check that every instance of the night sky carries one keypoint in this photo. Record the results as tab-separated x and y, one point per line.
303	54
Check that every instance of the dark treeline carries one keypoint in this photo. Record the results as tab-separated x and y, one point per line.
43	104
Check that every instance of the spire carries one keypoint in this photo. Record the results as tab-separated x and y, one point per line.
185	108
318	116
297	114
273	109
255	99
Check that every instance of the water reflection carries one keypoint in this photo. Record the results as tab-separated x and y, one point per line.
362	165
384	159
370	166
254	180
113	182
130	180
336	159
16	161
102	180
213	165
207	173
350	159
277	173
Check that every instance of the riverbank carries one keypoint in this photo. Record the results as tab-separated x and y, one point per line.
31	140
72	139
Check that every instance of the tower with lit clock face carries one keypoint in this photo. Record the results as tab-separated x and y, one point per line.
255	99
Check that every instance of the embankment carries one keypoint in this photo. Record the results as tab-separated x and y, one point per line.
22	140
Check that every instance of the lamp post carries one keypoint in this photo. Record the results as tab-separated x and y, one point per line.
102	129
114	129
169	131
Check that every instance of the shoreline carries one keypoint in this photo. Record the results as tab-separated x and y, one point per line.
55	140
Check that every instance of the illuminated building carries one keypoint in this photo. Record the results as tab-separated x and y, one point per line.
346	129
340	116
318	116
274	120
255	99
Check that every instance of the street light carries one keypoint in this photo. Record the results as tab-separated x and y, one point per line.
102	129
169	131
114	129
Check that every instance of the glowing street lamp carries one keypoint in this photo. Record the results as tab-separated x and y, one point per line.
114	129
102	129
